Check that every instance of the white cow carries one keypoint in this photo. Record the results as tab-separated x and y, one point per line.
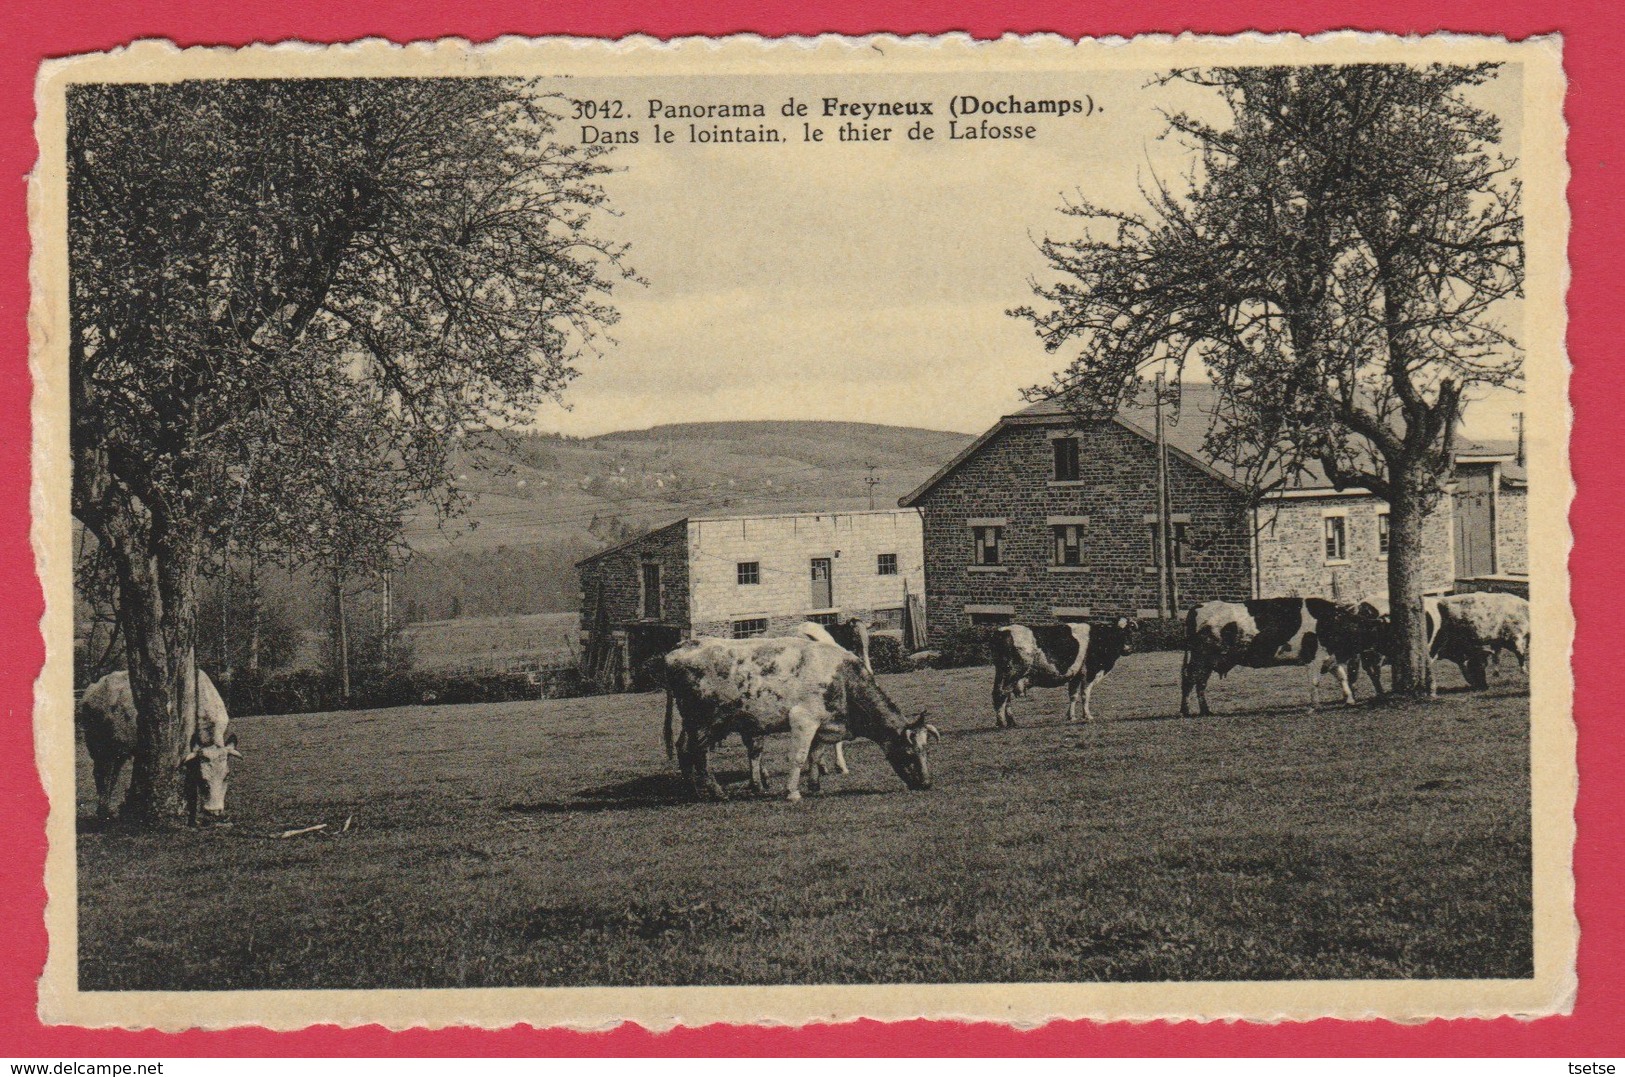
1472	628
818	693
106	714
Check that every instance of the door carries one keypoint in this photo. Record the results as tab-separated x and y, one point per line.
1475	523
646	645
651	592
823	593
1475	546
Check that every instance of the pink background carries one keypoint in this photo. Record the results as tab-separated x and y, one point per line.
35	31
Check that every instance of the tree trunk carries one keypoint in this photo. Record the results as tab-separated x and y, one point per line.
157	612
341	641
1406	575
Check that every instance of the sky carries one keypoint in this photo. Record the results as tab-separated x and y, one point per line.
864	282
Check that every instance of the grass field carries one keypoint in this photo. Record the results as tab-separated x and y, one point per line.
550	843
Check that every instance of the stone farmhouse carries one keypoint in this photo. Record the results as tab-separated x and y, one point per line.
1047	517
746	575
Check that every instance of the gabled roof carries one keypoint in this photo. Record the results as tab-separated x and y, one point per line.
624	543
1186	431
1185	438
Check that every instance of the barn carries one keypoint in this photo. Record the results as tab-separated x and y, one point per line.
1046	517
740	576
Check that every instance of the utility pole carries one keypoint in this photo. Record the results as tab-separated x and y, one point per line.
1518	415
871	482
1167	584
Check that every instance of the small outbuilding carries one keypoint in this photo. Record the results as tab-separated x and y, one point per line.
740	576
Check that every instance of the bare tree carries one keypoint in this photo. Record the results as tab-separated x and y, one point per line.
289	302
1342	267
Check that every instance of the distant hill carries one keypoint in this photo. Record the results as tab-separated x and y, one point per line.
541	502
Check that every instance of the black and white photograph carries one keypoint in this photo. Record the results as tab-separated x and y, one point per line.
930	529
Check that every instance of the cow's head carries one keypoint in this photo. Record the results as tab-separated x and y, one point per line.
1129	627
906	752
208	769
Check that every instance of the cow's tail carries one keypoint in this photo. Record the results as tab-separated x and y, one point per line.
1190	644
671	744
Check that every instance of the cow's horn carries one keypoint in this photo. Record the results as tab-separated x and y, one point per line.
931	731
189	757
232	751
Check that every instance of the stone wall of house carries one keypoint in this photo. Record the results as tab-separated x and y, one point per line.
783	548
618	576
1010	478
1292	549
1512	530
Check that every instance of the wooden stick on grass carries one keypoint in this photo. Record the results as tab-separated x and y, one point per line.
302	830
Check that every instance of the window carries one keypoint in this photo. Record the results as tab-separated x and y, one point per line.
1336	538
825	618
750	572
886	564
1066	459
750	628
651	591
987	544
1382	534
1182	546
1068	544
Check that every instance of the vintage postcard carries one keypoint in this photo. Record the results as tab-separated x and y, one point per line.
773	531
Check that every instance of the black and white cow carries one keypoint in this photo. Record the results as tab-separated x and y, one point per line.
817	692
1262	632
1076	655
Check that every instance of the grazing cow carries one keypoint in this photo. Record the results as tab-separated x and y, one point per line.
819	693
1076	655
106	714
1472	628
1219	636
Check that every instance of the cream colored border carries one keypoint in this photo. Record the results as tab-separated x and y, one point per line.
1553	737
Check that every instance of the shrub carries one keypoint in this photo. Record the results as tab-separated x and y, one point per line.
968	646
886	654
1160	634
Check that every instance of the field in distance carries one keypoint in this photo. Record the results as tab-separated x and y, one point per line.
551	843
508	642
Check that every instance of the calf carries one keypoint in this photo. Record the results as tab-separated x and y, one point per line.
1076	655
1262	632
850	635
106	714
816	692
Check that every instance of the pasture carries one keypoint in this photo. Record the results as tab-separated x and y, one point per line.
551	843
